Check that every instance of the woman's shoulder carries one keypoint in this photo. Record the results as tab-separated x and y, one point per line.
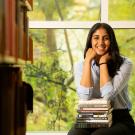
127	60
127	64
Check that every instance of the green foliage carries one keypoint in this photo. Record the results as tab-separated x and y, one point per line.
70	10
127	49
55	102
53	99
121	10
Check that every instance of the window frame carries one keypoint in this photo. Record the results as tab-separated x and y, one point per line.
83	24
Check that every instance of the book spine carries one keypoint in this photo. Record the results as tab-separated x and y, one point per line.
30	49
92	125
95	117
94	105
94	109
94	101
2	37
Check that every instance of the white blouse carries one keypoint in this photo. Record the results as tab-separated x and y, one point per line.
116	89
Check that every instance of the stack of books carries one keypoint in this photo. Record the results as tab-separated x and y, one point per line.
94	113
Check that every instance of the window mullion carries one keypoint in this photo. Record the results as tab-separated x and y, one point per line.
104	11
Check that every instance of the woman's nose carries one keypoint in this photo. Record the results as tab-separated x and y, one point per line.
101	41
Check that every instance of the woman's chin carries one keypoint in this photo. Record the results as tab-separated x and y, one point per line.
100	53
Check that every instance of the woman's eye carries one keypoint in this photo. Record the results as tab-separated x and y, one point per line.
96	38
106	38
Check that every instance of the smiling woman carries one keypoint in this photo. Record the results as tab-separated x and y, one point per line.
104	74
100	41
61	27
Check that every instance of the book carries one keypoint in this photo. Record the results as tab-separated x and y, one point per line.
94	113
109	117
93	125
30	54
102	103
2	37
93	120
94	108
9	20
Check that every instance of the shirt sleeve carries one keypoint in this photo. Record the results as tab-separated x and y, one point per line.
84	93
118	82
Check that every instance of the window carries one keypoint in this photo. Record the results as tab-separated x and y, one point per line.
59	40
121	10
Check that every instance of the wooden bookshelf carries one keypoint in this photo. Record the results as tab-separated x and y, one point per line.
14	42
16	48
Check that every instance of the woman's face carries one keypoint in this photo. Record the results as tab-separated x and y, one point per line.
100	41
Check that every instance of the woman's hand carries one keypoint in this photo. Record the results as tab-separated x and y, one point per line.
105	58
86	79
90	54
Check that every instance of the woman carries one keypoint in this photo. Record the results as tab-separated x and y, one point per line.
105	74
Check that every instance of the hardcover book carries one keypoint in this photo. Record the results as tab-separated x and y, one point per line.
94	113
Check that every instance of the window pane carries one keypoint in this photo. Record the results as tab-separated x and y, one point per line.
68	10
51	75
121	10
126	41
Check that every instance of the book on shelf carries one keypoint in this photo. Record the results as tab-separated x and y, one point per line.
30	54
24	46
9	22
20	25
26	36
14	38
24	42
2	37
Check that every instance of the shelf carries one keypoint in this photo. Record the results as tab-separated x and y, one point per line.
11	60
16	46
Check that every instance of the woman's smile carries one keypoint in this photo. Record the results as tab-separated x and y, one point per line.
100	41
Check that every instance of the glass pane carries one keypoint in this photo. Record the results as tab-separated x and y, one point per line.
126	41
51	75
68	10
121	10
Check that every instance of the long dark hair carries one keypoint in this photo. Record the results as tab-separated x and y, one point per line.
116	61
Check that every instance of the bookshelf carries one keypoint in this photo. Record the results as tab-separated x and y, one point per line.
15	42
16	48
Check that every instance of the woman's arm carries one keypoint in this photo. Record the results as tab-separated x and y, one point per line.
83	76
86	79
104	74
82	91
114	86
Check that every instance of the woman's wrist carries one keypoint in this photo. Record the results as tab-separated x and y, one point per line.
89	60
102	63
